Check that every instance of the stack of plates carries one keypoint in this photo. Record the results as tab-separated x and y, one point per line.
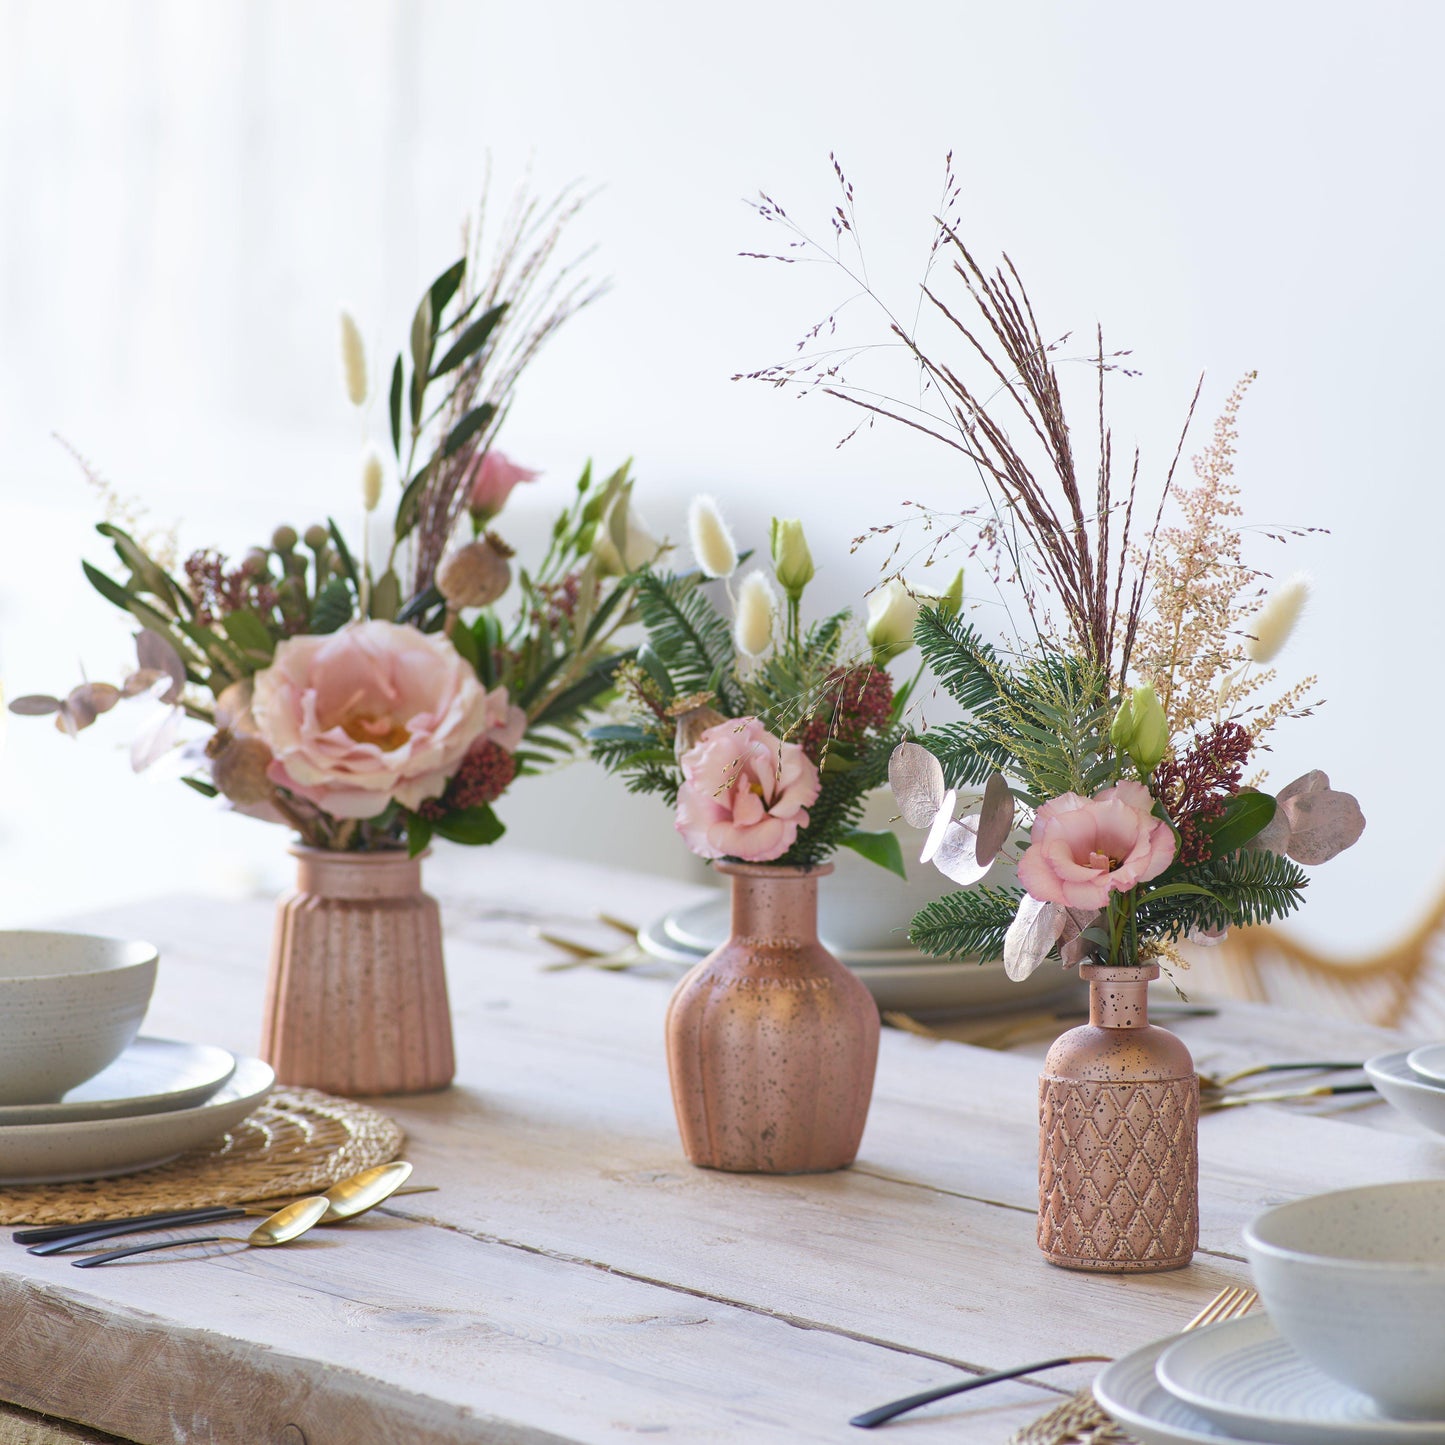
900	979
157	1100
1413	1080
1240	1381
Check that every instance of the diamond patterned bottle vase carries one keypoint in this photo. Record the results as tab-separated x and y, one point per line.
1119	1136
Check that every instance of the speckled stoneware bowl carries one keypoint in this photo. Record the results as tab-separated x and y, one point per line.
1355	1281
70	1004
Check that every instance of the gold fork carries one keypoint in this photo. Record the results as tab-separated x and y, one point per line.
1228	1303
1079	1418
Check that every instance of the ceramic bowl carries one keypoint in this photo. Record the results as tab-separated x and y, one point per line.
1355	1281
70	1003
1413	1096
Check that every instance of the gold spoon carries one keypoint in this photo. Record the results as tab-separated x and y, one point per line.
281	1228
364	1191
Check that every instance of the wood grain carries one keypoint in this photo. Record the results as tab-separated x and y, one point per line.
574	1278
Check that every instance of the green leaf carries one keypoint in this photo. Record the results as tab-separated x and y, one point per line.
1245	816
473	826
385	599
406	509
250	634
332	609
205	789
423	332
445	286
473	422
881	848
348	566
397	383
418	834
466	645
144	568
472	339
108	587
487	638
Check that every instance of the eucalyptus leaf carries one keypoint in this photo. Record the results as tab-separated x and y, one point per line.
1031	936
957	856
35	704
916	777
881	848
156	653
995	818
473	337
942	823
1322	823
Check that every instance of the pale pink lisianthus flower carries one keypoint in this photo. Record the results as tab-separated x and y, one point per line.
375	712
1084	849
489	482
745	793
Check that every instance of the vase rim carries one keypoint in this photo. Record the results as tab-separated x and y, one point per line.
370	858
1119	972
771	870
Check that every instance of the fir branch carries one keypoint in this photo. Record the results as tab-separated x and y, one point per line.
690	637
968	924
1251	886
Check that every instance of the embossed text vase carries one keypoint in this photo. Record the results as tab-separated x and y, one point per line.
356	1001
1119	1135
771	1042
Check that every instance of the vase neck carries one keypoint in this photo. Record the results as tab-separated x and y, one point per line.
1119	996
326	874
774	902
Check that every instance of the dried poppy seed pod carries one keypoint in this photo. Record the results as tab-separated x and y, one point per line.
691	725
473	576
238	767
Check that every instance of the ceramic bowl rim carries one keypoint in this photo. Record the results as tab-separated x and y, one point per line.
1392	1267
148	954
1376	1066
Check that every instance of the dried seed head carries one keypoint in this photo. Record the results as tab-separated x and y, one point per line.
691	725
753	626
473	576
1271	626
372	477
353	360
712	543
238	767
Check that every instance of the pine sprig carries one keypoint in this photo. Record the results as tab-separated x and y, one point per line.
1249	887
968	924
689	636
840	804
967	667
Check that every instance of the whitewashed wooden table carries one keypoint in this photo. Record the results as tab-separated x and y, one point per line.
574	1279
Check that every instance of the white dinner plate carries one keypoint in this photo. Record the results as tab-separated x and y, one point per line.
1413	1096
1129	1391
1429	1062
701	927
150	1077
100	1148
1251	1382
908	983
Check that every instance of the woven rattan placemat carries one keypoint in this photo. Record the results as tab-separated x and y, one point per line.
1076	1421
298	1142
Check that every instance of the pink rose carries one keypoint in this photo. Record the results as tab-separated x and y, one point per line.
489	482
1084	849
374	712
745	792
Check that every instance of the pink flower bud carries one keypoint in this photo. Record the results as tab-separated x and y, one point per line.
489	482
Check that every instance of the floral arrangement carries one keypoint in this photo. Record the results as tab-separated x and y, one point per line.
1116	731
370	704
766	735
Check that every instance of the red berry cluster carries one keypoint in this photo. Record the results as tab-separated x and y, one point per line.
1194	786
218	591
855	702
561	598
485	774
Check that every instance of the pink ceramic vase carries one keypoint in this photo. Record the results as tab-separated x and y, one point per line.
771	1042
1119	1136
356	1001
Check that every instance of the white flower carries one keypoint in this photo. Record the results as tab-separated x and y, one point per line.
1271	626
712	543
639	549
353	359
372	477
892	611
753	626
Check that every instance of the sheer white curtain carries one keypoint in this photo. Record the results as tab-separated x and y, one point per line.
188	191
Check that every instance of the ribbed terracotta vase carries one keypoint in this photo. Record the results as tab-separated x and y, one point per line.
356	1001
1119	1136
771	1042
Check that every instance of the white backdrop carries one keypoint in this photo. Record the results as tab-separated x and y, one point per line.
187	191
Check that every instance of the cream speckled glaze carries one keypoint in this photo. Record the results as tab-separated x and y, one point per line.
1355	1281
70	1003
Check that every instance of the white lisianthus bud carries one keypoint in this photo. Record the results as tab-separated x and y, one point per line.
372	477
353	359
892	611
712	543
1271	626
753	626
792	561
640	548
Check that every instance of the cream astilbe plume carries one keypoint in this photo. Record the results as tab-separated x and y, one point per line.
353	359
753	626
372	477
712	542
1270	628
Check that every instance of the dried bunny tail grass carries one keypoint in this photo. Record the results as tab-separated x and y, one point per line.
757	604
1270	628
712	542
372	477
353	360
